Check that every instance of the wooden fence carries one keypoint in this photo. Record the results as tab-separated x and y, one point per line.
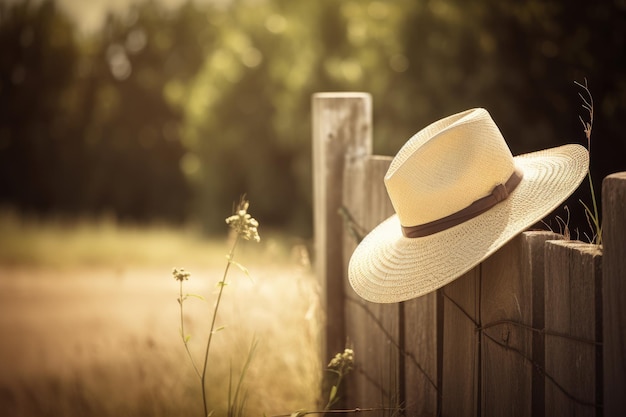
538	329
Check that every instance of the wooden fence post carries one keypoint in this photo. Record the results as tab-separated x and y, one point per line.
573	329
373	330
614	293
341	128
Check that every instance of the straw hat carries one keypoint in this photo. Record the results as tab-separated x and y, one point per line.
459	195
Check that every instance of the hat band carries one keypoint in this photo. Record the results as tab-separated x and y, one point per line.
498	194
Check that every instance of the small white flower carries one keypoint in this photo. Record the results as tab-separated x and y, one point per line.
243	223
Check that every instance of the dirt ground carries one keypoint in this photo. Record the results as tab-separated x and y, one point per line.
51	318
85	341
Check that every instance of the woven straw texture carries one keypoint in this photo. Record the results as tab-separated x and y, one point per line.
387	267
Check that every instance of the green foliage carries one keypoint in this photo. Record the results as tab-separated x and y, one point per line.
172	112
84	125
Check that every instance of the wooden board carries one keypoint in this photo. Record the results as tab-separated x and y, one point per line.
614	293
507	291
372	330
460	371
535	271
573	310
505	300
421	344
342	125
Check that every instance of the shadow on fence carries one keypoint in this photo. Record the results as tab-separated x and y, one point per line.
538	329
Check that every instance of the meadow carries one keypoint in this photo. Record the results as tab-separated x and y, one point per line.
90	325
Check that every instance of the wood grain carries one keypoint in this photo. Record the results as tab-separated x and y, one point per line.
342	125
573	318
372	330
614	293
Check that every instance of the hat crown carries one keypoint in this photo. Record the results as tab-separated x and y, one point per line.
447	166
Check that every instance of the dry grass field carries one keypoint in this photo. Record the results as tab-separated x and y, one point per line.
89	322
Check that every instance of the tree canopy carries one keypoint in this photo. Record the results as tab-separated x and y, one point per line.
172	113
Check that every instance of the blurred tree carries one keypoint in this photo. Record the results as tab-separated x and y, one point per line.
131	128
520	61
169	112
38	57
87	127
248	110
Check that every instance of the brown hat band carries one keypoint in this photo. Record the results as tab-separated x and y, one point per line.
498	194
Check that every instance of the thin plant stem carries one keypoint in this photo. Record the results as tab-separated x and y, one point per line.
333	398
235	408
595	211
343	411
182	330
245	226
221	284
587	128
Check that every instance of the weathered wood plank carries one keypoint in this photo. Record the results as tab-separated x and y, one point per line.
573	317
535	271
507	280
373	330
342	126
420	361
614	293
505	299
460	371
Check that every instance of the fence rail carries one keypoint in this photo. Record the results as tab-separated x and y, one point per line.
538	329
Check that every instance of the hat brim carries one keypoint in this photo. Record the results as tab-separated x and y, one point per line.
387	267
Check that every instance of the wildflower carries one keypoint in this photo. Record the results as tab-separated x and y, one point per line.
180	274
243	224
342	362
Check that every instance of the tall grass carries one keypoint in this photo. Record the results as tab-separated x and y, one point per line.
89	323
593	216
57	242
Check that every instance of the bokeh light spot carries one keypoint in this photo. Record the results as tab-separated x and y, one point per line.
190	164
252	57
276	23
118	62
136	41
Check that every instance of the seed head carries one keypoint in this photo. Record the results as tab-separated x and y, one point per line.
180	274
343	362
243	223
